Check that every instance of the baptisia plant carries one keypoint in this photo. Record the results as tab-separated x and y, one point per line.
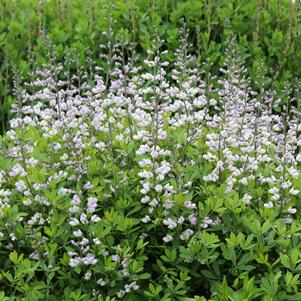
150	182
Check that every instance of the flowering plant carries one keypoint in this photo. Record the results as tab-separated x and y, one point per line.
152	182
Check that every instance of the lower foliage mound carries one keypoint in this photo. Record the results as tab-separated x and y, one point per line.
153	183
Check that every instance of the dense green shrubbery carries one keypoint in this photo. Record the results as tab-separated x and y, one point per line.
268	31
155	182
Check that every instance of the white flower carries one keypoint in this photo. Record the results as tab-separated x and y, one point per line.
73	222
87	276
160	177
268	205
154	154
115	258
83	219
34	256
96	241
145	219
132	286
210	157
244	181
276	197
273	190
74	262
206	222
158	188
189	205
170	223
101	282
17	170
164	169
292	210
27	202
186	234
167	238
120	293
288	220
125	272
193	219
145	162
213	177
73	209
168	204
146	188
78	233
95	218
75	200
153	203
26	193
145	199
88	185
142	149
89	259
294	191
247	198
92	204
293	172
145	174
181	220
63	191
20	186
111	119
84	242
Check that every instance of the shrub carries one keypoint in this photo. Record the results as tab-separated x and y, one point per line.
155	182
267	31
